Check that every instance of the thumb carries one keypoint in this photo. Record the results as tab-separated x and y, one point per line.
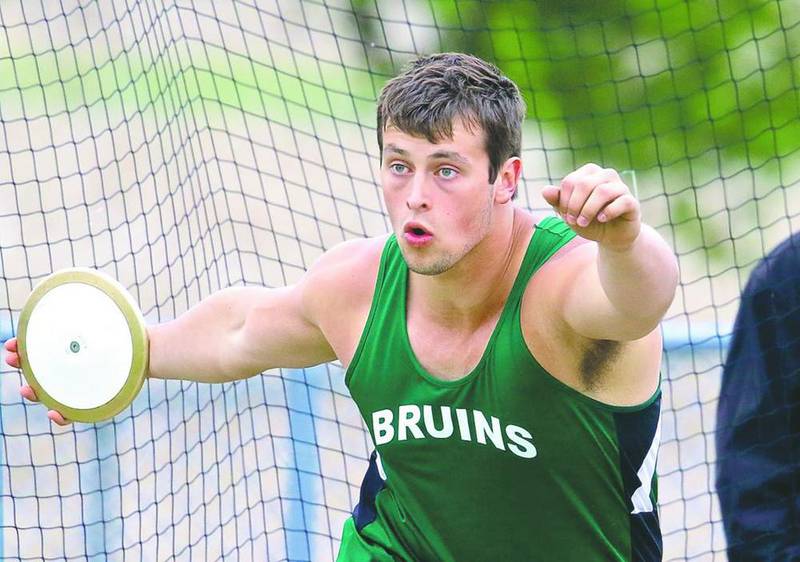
551	194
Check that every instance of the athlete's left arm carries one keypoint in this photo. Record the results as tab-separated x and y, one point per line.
620	287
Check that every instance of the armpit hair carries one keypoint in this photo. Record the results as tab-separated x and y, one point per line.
596	359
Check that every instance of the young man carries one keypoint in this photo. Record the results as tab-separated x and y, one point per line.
508	370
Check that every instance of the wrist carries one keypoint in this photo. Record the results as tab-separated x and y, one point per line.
622	246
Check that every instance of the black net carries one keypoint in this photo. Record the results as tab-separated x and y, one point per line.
185	147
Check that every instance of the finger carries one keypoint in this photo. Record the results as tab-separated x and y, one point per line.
585	182
567	187
13	360
57	418
581	191
27	392
578	194
601	196
625	207
11	345
575	179
588	168
551	194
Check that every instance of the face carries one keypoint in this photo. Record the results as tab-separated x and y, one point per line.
438	196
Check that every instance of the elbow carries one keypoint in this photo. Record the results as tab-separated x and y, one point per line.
239	359
638	321
672	275
633	330
649	315
653	305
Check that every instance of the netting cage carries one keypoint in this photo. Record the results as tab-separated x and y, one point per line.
183	147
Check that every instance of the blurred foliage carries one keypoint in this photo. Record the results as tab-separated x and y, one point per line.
640	83
702	95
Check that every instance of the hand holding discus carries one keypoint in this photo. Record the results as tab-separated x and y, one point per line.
82	346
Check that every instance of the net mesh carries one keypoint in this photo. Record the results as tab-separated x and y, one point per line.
186	147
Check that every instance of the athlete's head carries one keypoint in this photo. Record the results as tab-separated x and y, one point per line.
436	91
449	131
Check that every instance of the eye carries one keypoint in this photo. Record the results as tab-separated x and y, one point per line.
447	173
398	168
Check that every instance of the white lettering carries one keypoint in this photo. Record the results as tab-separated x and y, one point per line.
482	430
418	422
521	446
447	422
463	424
382	426
408	418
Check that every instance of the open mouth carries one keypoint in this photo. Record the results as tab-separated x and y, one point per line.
416	234
416	229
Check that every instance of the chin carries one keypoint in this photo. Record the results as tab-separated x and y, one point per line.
434	266
428	269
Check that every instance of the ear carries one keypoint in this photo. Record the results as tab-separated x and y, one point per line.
507	179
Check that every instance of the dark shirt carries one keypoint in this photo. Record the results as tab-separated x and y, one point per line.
758	420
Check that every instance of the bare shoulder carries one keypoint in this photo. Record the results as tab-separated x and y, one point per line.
550	279
540	301
349	268
338	289
540	310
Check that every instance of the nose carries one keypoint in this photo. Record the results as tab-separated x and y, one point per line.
418	196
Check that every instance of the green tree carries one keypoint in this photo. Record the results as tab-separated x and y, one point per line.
683	87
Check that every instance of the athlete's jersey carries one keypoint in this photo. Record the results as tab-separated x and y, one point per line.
506	463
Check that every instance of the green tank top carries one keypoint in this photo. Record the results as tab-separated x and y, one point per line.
506	463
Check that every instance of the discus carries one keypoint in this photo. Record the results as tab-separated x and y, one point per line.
83	344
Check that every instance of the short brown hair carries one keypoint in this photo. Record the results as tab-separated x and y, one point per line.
433	91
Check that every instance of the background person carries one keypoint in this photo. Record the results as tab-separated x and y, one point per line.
758	419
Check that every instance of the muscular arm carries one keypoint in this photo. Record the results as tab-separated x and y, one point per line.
619	287
236	333
241	331
620	294
604	293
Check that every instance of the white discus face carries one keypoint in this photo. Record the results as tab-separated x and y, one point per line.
79	345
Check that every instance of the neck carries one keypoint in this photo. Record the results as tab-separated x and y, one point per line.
478	285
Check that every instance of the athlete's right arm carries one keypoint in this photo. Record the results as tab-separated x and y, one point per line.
239	332
242	331
236	333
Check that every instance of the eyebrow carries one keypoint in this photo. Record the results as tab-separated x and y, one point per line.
394	148
438	155
448	155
